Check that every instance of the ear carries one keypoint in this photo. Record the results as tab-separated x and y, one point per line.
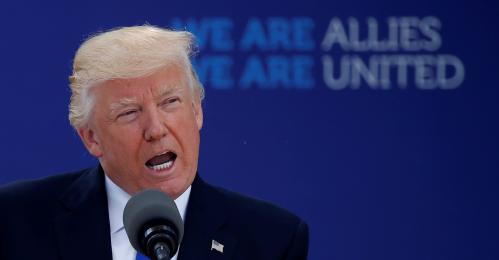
198	113
90	140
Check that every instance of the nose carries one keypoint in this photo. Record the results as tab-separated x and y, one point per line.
154	126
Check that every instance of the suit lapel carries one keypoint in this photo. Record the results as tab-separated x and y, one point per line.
207	212
82	224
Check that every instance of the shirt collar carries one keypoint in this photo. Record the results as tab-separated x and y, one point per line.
117	199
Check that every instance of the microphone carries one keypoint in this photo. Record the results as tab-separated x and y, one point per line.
153	224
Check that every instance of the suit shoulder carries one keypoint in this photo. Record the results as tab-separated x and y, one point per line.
37	189
258	210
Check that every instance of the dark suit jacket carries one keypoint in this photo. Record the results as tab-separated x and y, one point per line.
66	217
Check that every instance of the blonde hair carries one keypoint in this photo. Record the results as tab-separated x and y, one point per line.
125	53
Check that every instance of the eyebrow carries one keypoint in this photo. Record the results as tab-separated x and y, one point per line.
124	102
168	90
127	101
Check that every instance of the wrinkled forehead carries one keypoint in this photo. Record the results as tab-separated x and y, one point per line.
163	81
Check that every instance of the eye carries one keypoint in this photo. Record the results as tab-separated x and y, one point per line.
170	101
127	115
173	100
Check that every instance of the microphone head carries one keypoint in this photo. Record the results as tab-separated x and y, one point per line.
147	209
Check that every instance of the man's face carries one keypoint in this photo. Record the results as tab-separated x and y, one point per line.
145	131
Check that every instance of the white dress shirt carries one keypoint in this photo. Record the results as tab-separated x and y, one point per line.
116	201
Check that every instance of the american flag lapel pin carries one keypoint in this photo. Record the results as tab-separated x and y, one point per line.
217	246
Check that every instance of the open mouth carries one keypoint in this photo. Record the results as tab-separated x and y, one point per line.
162	161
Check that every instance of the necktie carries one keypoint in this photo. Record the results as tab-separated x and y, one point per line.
141	257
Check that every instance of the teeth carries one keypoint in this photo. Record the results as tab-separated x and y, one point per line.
162	166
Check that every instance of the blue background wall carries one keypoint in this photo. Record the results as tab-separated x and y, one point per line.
408	171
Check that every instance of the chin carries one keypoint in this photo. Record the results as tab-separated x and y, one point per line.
174	188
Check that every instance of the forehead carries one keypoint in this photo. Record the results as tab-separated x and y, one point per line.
163	81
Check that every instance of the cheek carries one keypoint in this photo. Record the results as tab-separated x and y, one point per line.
191	139
121	142
184	128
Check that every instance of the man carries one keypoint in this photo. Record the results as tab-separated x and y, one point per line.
136	104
